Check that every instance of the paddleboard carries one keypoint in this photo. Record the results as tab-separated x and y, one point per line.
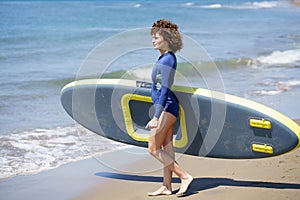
120	109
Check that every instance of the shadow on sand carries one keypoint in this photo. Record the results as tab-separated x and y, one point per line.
200	184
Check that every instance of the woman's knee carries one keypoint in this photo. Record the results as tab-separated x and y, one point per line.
152	151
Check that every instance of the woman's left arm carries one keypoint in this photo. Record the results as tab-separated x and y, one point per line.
167	73
167	78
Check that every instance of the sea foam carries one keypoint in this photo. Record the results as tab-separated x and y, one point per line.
33	151
281	57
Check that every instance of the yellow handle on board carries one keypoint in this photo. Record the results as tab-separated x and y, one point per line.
260	123
262	148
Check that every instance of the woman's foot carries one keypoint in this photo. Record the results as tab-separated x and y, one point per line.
161	191
185	182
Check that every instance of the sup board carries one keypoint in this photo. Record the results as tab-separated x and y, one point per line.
218	126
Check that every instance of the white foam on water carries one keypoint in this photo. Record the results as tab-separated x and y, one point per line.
240	6
33	151
264	4
255	5
189	4
278	87
211	6
280	57
137	5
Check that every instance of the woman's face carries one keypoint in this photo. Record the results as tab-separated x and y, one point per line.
159	42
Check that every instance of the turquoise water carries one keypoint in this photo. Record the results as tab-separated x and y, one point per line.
255	45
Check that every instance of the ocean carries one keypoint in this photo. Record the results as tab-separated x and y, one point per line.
43	44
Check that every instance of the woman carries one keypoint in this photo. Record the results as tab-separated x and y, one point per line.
167	39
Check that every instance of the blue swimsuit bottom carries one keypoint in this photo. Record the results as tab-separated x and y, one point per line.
171	104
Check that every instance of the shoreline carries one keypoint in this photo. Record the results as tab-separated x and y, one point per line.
130	173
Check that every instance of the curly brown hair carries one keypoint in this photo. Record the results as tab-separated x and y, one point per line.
169	32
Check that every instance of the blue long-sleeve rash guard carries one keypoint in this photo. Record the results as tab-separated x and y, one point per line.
162	80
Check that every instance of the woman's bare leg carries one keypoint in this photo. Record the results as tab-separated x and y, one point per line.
156	140
168	147
166	189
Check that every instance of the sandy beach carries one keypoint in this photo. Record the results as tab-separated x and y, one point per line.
271	178
274	178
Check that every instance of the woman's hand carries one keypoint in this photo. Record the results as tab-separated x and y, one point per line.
153	123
